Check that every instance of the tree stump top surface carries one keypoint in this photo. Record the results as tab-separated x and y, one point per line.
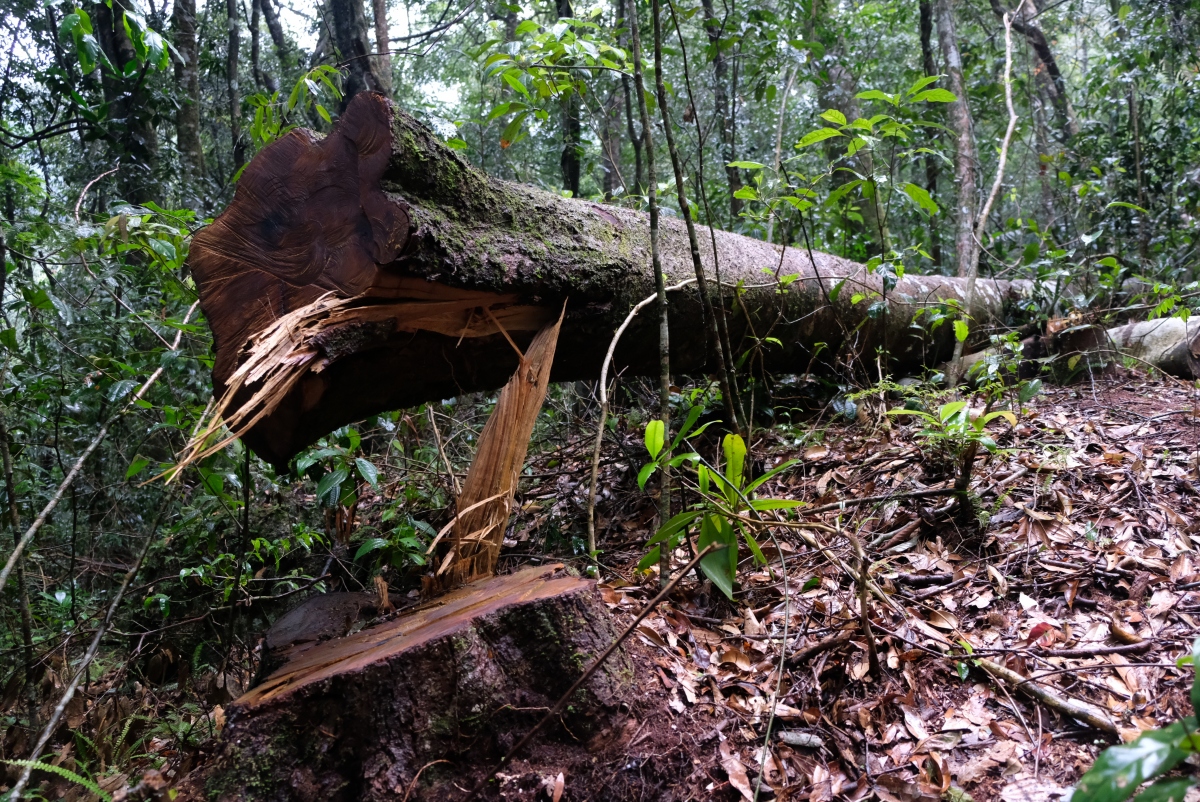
311	663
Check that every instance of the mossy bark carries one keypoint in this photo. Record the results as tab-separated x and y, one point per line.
382	211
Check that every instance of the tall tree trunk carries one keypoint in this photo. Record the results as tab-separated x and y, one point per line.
610	144
383	61
424	275
726	122
283	51
965	160
354	52
932	168
233	47
571	129
129	107
634	139
187	116
261	76
1055	84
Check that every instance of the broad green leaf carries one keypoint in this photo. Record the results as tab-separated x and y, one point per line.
875	94
834	116
1195	693
764	504
1167	790
644	474
655	437
746	193
674	526
121	389
721	565
922	83
136	467
1124	205
746	165
693	415
934	96
961	330
650	559
752	544
820	135
369	545
368	472
948	411
921	197
766	477
1119	770
328	489
735	460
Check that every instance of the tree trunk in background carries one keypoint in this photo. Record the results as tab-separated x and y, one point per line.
932	168
610	144
434	257
726	124
187	116
282	50
1050	77
383	61
965	160
129	111
231	82
354	52
571	130
261	76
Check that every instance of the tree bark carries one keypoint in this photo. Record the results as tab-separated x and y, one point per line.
419	252
261	76
383	46
283	51
726	124
442	693
571	127
233	45
128	107
932	168
1056	86
966	161
354	52
187	117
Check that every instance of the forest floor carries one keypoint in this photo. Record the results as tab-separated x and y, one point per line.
1083	578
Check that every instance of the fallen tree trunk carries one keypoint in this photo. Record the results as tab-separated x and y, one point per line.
374	269
1170	344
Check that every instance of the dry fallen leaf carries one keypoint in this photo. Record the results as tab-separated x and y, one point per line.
736	771
943	620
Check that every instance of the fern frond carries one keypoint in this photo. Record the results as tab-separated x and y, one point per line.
66	774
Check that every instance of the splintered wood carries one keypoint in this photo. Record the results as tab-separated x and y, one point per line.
305	342
486	500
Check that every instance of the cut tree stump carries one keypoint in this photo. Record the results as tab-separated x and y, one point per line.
448	688
375	269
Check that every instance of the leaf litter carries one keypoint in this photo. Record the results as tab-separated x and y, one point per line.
1072	597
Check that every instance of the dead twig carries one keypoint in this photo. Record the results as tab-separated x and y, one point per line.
1085	713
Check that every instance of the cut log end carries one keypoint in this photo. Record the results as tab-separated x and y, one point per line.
458	682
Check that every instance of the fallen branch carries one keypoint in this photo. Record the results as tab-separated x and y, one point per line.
1085	713
1100	651
813	649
